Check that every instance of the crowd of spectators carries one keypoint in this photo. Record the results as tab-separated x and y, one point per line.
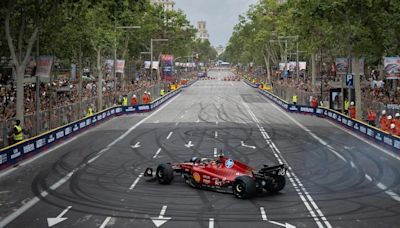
63	92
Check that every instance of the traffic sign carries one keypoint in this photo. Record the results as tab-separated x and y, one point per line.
349	80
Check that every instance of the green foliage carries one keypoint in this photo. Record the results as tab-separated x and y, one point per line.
89	25
336	27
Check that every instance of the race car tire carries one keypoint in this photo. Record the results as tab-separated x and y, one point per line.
278	185
164	174
244	187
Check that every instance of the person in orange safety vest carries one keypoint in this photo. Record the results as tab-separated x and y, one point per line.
382	119
134	100
396	120
386	123
394	130
314	102
352	110
145	98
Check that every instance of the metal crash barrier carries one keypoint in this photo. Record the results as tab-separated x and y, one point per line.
372	133
13	154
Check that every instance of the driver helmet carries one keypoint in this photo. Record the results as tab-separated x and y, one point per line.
352	103
389	117
383	112
392	126
397	115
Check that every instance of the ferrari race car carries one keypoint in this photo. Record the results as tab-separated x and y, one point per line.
223	174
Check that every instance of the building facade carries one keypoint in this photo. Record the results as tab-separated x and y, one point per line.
202	32
166	4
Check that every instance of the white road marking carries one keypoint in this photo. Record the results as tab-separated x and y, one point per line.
158	152
106	221
137	145
160	220
216	134
189	144
215	152
301	190
379	185
8	171
182	116
176	124
244	145
11	217
157	121
231	84
387	152
321	141
384	188
53	221
352	165
198	120
263	214
211	223
169	135
136	181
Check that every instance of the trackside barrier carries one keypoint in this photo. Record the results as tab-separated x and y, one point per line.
372	133
189	83
251	84
11	155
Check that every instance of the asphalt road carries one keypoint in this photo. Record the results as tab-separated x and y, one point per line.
335	179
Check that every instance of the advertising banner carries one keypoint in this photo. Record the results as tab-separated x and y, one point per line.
30	67
155	65
108	65
392	67
43	66
292	66
167	70
120	66
302	66
342	65
282	66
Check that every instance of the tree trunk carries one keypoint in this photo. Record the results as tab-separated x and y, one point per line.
19	65
313	72
266	59
20	93
99	82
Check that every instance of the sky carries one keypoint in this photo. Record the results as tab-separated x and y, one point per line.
221	16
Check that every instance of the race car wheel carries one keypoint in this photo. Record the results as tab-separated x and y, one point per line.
244	187
278	184
164	174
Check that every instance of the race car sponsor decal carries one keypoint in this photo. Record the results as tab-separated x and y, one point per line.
196	177
229	163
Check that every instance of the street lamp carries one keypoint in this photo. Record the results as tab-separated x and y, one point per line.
151	54
115	49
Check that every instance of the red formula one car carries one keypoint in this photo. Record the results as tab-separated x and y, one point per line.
223	174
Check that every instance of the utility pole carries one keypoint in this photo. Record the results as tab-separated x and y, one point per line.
357	88
37	95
